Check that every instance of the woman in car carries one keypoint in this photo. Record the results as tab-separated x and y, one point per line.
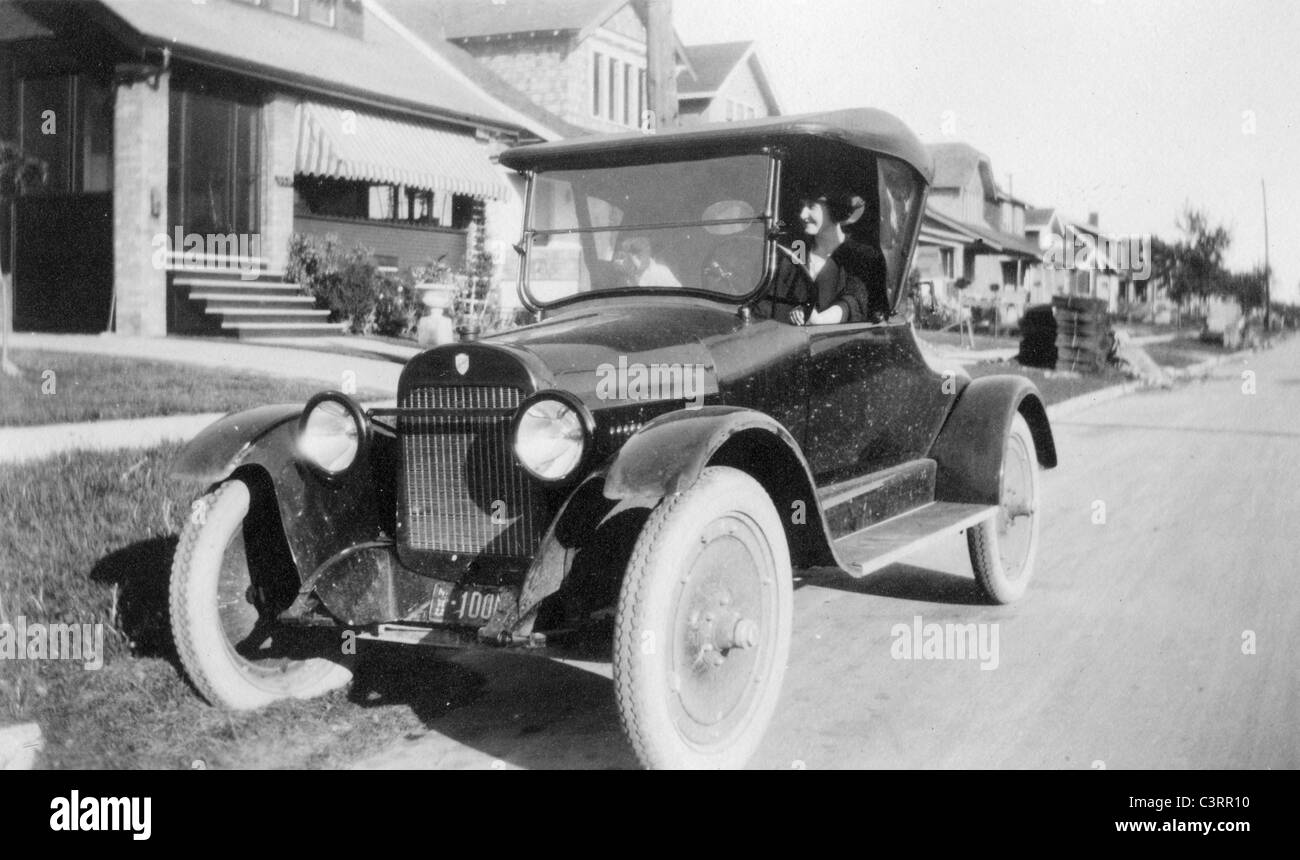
833	277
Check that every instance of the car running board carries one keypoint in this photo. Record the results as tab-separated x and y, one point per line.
881	545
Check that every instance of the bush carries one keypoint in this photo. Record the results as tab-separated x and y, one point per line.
398	307
341	280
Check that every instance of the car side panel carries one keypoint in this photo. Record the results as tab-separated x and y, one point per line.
873	402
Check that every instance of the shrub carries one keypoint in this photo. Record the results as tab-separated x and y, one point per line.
341	280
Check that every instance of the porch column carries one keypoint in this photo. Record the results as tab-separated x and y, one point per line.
281	129
140	116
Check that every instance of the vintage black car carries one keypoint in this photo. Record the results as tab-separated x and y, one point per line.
650	460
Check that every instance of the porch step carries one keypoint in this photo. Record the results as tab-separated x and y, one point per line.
222	301
249	316
881	545
251	299
247	330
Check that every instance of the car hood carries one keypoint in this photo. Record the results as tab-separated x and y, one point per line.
584	346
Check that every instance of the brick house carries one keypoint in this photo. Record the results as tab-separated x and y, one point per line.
724	82
235	123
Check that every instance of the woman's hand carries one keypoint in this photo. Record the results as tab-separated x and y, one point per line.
797	316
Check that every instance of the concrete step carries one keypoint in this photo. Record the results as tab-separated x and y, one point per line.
209	282
252	300
244	316
246	330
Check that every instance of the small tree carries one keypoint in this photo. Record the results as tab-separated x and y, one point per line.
18	172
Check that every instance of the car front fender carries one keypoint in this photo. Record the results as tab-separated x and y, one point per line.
320	516
668	455
969	447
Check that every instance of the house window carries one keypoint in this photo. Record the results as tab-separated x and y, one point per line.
347	198
947	262
629	99
640	95
321	12
611	112
597	95
284	7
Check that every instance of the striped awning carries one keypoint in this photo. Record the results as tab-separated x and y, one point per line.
340	143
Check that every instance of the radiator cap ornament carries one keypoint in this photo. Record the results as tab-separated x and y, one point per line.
462	363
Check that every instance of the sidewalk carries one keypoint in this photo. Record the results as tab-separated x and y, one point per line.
376	365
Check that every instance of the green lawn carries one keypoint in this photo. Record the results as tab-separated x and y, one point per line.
88	538
56	387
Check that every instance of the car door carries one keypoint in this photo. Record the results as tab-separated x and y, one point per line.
873	402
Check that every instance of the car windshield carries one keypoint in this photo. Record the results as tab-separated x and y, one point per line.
679	225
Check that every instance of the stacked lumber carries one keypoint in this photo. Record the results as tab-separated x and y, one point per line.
1083	338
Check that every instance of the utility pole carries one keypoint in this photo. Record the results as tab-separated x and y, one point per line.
1268	274
661	66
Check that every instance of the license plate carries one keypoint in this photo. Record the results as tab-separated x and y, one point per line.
463	605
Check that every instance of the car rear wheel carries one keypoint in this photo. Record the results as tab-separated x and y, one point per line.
223	610
1002	549
702	633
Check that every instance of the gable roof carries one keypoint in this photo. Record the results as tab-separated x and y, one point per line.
954	163
419	20
380	67
712	66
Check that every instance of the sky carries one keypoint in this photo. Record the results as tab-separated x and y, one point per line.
1127	108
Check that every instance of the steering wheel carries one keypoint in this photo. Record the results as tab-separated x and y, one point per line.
728	260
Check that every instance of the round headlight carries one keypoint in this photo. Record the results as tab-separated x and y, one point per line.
330	432
550	438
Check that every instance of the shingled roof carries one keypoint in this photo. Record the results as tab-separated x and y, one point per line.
381	66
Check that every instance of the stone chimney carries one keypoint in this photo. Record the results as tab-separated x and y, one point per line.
1094	220
661	66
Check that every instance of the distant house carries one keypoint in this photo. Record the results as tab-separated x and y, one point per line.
237	123
1097	276
725	82
973	230
583	61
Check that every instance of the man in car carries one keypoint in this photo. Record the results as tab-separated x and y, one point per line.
636	259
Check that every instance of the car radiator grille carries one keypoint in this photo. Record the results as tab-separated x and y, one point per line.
464	492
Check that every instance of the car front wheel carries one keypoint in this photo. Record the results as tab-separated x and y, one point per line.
1002	548
230	578
703	627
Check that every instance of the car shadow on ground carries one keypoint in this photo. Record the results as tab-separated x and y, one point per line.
901	581
491	708
140	572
